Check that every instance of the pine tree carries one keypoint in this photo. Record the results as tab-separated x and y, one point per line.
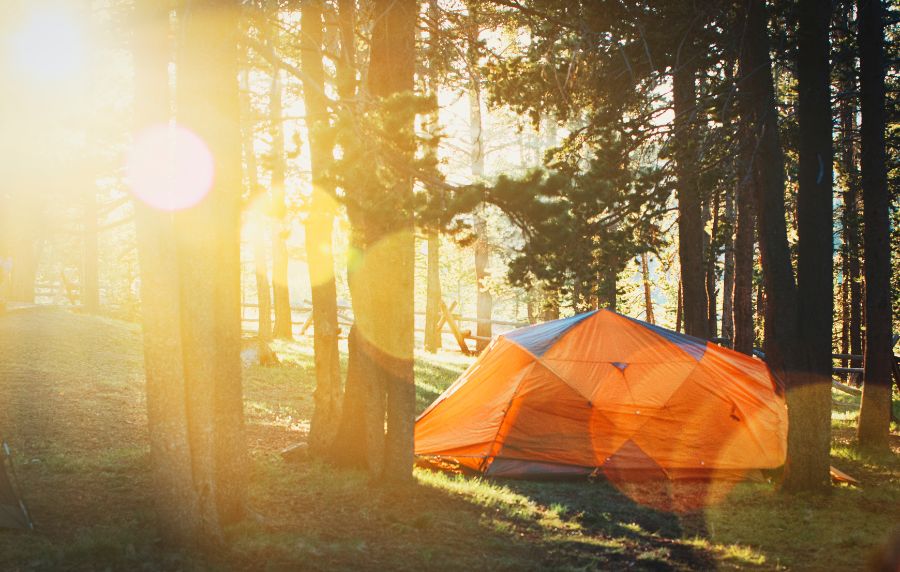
319	230
875	411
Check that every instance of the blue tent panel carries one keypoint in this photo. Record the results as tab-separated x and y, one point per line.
540	338
695	347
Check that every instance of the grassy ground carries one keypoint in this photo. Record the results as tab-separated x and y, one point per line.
71	403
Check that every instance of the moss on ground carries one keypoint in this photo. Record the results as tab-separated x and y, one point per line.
71	403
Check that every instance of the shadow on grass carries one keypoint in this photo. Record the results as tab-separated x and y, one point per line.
612	525
316	517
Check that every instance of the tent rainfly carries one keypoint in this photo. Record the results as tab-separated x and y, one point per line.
601	393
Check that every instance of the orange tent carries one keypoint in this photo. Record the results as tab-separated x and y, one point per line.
601	392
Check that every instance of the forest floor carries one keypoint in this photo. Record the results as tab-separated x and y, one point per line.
72	406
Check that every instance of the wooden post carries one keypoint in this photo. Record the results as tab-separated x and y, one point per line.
306	324
443	320
454	327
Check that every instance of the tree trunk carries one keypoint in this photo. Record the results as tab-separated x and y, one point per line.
258	199
319	231
679	308
209	257
850	220
815	250
806	468
484	305
728	269
845	309
712	316
433	336
648	299
482	276
176	501
744	327
382	280
690	227
609	283
875	411
360	437
392	69
281	229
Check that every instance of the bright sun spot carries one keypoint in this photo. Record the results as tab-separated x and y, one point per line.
48	46
170	167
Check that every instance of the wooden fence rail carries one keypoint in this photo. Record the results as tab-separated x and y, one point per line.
448	318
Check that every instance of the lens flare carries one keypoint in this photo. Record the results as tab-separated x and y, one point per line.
377	275
49	46
170	167
319	234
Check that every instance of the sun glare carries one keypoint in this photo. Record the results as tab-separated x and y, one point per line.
170	167
48	46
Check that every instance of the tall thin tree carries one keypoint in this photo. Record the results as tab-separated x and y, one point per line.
280	228
209	260
805	469
433	338
484	300
177	503
810	405
875	411
258	199
319	231
391	71
690	227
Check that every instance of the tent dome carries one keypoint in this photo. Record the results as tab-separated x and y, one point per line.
601	392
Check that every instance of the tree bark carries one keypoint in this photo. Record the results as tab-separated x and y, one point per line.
875	411
728	268
360	433
482	276
209	258
176	501
319	231
609	283
690	227
745	234
815	256
648	298
679	308
712	316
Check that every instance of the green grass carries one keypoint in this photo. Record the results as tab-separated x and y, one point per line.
71	403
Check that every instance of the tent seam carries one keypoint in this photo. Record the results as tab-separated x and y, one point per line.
562	378
515	394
